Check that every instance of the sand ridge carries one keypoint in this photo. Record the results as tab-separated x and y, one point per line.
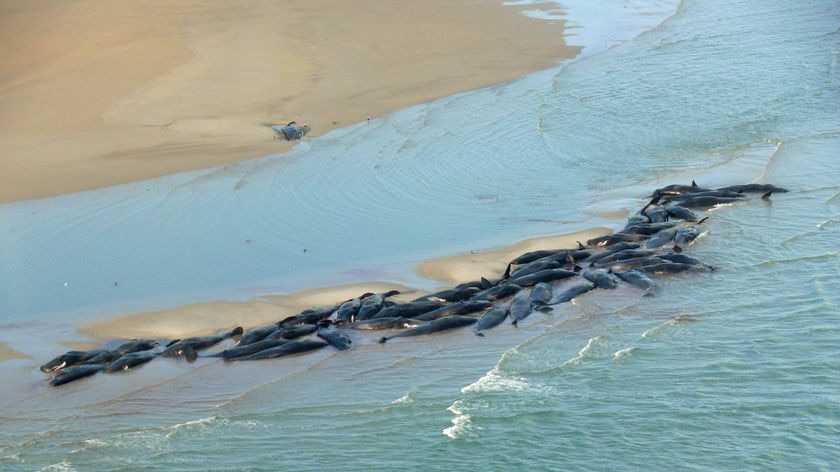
211	317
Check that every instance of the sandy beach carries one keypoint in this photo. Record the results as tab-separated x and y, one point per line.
101	93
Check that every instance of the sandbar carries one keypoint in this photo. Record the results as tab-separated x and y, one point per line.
452	270
94	94
206	318
210	317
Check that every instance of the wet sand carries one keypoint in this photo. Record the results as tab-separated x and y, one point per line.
101	93
211	317
7	353
207	318
492	264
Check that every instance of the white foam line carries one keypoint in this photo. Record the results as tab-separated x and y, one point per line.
582	353
462	425
620	354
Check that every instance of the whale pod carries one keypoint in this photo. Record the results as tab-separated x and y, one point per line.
666	225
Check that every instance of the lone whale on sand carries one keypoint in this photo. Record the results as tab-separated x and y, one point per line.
291	132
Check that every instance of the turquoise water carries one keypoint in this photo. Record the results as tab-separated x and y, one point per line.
735	369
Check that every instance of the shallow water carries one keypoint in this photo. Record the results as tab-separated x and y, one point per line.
734	369
365	202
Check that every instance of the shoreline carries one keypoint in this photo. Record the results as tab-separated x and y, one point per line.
146	92
214	316
210	317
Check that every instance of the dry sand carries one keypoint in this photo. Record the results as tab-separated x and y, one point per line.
207	318
97	93
492	264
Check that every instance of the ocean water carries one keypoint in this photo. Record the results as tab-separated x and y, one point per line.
735	369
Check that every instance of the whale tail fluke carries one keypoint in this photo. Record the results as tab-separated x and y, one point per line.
383	339
479	333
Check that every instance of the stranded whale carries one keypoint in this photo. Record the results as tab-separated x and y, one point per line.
652	244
